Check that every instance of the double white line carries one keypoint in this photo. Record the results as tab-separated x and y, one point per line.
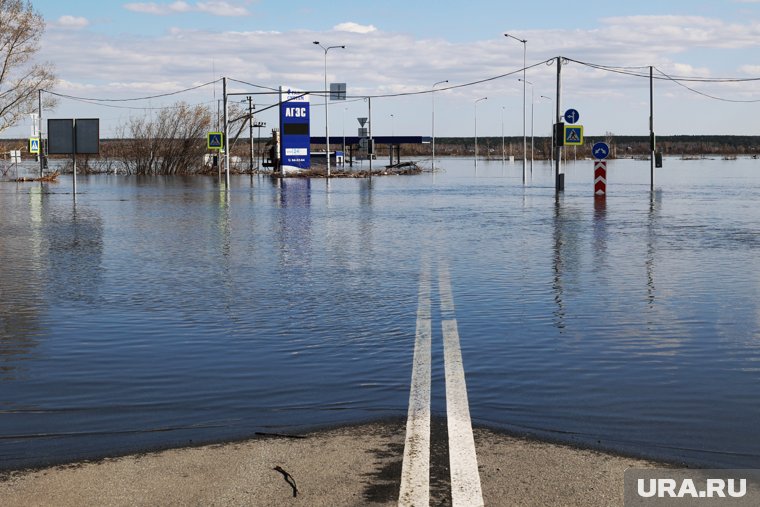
463	463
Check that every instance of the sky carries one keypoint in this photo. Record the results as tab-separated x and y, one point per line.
124	49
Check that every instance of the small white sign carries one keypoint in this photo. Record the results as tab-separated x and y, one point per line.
296	152
290	95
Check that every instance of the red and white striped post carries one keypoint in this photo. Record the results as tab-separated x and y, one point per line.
600	178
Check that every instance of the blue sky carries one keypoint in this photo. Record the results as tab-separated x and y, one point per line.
121	49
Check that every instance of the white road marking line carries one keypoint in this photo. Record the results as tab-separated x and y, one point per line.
415	470
463	461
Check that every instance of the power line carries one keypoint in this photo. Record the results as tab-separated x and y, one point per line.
679	80
453	87
93	99
255	85
722	99
645	73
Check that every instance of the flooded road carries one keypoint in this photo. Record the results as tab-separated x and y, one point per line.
157	312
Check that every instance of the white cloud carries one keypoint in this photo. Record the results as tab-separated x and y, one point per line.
752	70
72	22
217	8
181	58
354	28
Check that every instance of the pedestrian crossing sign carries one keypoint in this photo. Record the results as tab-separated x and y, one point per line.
215	140
34	145
573	135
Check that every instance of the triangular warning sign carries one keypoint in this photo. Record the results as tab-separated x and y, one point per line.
362	121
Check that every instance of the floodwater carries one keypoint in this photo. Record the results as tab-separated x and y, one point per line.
157	312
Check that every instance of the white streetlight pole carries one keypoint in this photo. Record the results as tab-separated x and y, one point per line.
551	123
525	139
344	136
327	96
531	123
476	130
390	145
503	154
432	95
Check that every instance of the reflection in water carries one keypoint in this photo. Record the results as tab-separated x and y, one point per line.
75	244
655	199
294	230
366	218
600	233
559	313
51	255
566	256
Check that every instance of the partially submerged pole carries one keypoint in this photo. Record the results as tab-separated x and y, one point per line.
558	183
651	130
226	136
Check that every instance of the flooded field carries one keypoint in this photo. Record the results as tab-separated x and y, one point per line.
160	311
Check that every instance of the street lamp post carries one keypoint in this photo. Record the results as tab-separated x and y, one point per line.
503	157
432	95
525	139
531	123
551	123
391	143
344	136
327	97
476	130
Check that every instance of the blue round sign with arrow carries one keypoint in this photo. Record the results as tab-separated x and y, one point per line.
572	116
600	151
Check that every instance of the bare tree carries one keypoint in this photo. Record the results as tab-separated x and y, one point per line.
171	142
21	29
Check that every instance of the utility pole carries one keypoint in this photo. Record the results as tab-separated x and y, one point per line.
226	137
250	133
558	182
651	130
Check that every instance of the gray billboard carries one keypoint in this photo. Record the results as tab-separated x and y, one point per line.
66	134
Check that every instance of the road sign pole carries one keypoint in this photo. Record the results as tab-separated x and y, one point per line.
41	154
370	149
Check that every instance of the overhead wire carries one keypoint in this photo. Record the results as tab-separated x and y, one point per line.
134	99
679	80
722	99
635	71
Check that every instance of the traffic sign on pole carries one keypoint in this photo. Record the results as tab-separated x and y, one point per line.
573	135
600	151
34	145
215	140
572	116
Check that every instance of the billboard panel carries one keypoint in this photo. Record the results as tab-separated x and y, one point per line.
64	135
88	136
295	142
60	136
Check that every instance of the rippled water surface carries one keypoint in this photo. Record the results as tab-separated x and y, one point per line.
155	312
